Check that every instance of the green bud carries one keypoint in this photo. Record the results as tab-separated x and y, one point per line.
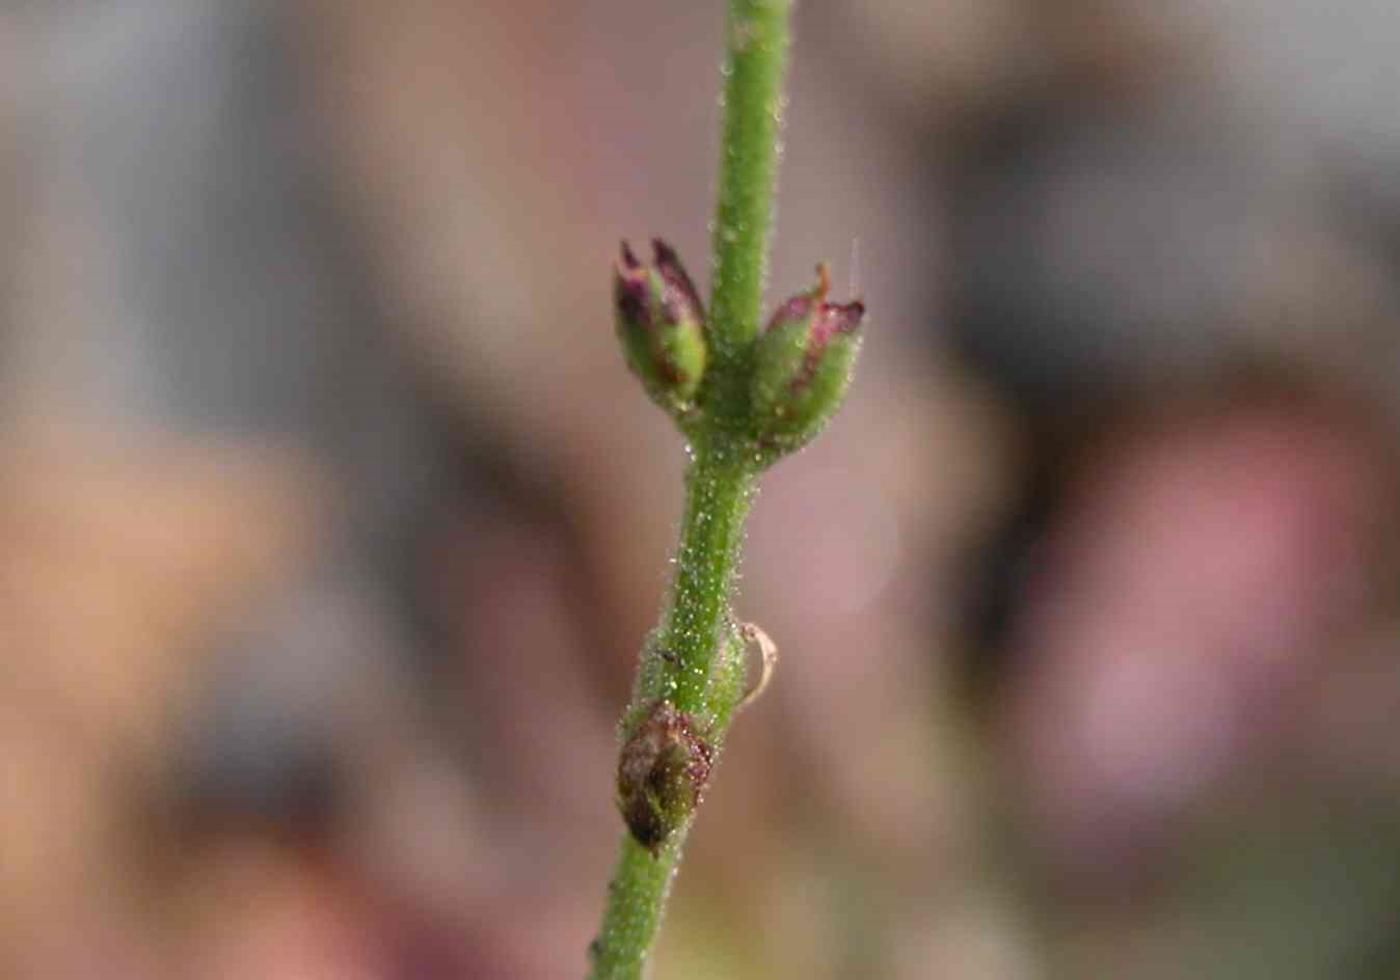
662	773
802	368
661	324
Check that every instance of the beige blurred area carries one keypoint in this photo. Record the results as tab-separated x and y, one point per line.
331	523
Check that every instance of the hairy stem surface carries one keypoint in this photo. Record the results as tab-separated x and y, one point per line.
716	501
719	482
636	899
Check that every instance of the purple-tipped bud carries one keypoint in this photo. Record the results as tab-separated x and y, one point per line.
661	324
802	367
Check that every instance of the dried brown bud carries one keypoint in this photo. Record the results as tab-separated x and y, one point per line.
662	773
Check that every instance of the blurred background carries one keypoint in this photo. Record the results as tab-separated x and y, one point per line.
331	523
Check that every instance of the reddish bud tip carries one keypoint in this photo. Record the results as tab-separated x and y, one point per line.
675	276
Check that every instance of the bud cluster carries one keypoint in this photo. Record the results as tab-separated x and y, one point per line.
800	364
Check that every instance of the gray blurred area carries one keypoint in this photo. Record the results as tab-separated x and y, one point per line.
213	294
330	523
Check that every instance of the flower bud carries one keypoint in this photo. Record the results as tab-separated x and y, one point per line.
802	367
660	322
662	773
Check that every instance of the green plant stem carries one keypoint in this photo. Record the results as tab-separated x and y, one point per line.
756	39
636	899
718	488
719	481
